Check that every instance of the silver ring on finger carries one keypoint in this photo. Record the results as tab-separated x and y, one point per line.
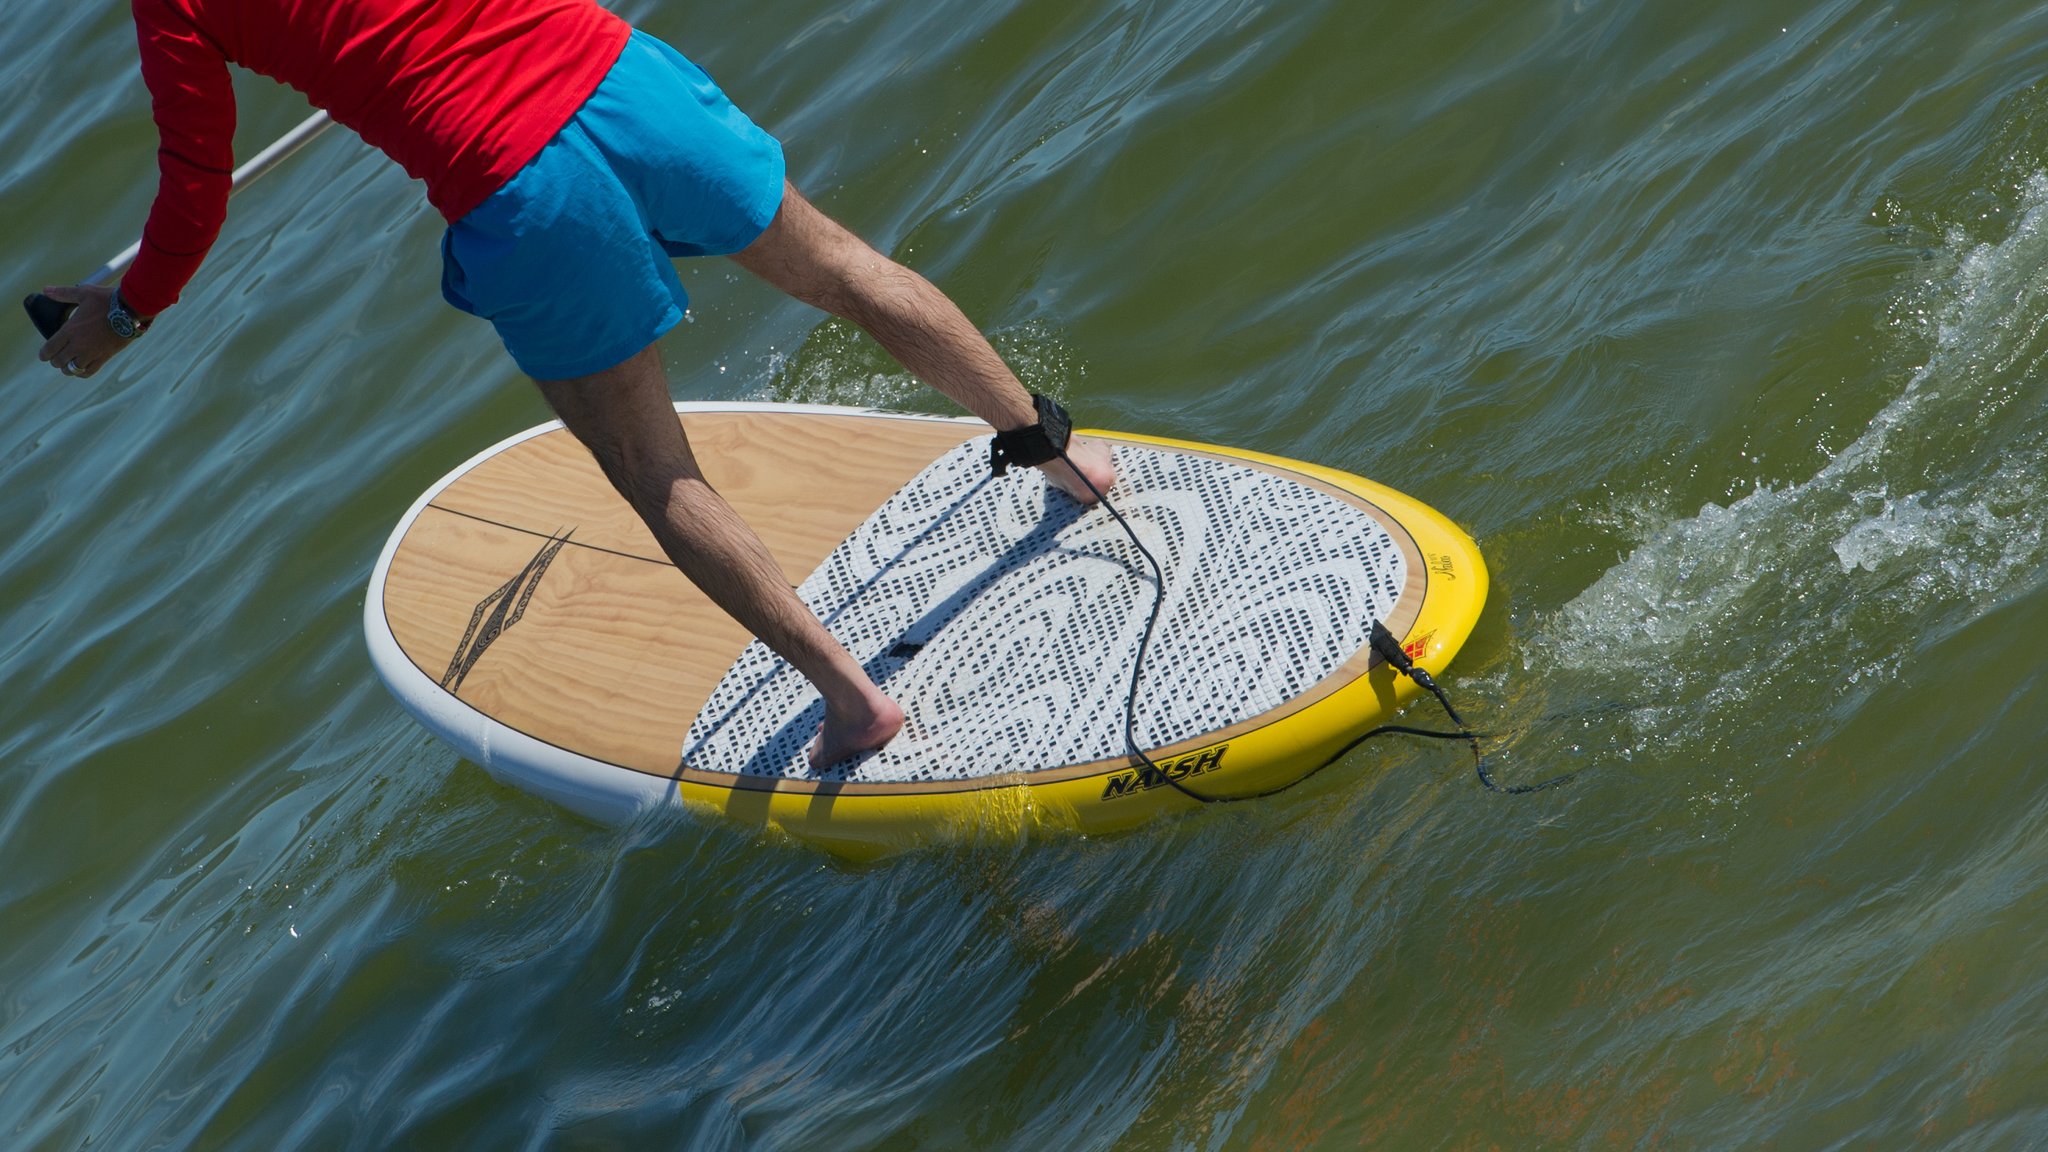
71	367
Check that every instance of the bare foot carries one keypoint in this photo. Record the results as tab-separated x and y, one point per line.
1092	458
849	732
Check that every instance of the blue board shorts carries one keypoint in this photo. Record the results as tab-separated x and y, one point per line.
570	260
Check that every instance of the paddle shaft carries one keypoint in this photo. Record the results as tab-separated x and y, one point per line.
49	315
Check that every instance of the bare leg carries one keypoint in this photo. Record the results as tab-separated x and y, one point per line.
807	255
623	415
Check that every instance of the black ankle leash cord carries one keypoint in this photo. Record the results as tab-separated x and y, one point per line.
1383	642
1389	648
1144	642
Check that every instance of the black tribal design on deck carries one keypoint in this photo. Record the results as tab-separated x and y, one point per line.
1006	621
499	611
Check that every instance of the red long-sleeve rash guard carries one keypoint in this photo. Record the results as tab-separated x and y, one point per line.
462	93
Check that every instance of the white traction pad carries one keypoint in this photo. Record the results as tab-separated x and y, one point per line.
1005	618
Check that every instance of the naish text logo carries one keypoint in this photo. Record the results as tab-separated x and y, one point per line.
1180	768
499	611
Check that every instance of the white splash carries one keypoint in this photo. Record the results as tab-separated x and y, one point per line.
1937	506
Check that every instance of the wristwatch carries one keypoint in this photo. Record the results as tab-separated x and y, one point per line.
127	325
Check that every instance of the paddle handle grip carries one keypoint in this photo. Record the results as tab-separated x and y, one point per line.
48	315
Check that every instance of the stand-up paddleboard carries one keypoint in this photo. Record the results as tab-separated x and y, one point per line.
524	614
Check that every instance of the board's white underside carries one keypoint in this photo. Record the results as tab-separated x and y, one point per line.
1025	611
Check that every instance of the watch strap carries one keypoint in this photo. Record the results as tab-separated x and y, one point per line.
120	317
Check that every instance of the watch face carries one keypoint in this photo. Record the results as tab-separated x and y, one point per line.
121	320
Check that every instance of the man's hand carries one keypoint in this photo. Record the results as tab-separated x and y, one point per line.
85	343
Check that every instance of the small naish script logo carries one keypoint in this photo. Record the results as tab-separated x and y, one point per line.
1442	566
1180	768
499	611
